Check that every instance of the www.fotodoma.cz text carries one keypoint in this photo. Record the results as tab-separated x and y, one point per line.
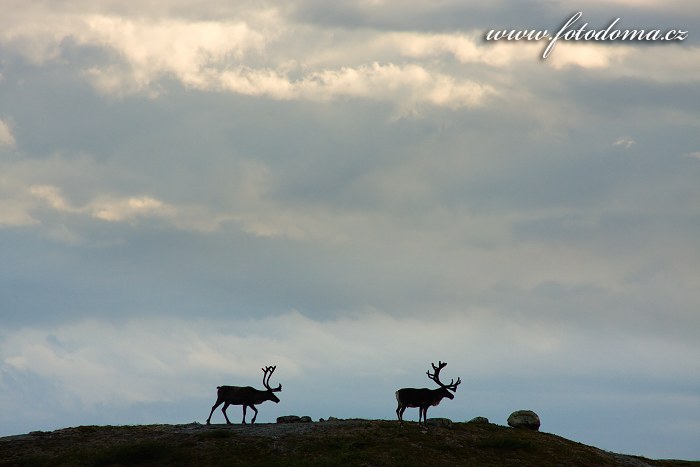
571	31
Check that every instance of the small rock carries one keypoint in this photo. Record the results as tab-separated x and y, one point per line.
526	419
305	419
445	422
288	419
479	420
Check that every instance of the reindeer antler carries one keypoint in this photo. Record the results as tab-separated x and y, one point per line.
267	372
436	377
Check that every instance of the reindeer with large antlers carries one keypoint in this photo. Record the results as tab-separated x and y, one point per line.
246	396
424	398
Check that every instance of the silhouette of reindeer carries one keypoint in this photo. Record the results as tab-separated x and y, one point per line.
424	398
246	396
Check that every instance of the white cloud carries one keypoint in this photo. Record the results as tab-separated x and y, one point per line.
234	56
115	210
412	83
263	52
586	55
124	209
464	48
52	196
7	139
104	208
188	51
625	142
407	85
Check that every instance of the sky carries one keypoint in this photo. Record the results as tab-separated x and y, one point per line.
190	191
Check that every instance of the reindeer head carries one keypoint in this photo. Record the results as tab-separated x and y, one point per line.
446	388
267	372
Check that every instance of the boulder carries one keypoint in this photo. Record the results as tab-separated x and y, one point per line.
479	420
294	419
526	419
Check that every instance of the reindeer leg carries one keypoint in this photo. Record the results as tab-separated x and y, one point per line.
399	412
218	403
226	404
254	416
244	407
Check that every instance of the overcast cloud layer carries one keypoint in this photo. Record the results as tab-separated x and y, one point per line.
350	191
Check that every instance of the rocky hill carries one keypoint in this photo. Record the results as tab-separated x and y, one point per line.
337	442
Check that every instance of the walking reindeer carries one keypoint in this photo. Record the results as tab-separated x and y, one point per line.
246	396
424	398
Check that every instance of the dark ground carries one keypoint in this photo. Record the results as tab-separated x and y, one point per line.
342	442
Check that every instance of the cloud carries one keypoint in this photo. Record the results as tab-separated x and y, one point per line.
104	208
52	196
24	209
464	48
264	52
643	63
13	214
99	369
115	210
7	139
586	55
236	57
625	142
189	51
82	356
408	85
